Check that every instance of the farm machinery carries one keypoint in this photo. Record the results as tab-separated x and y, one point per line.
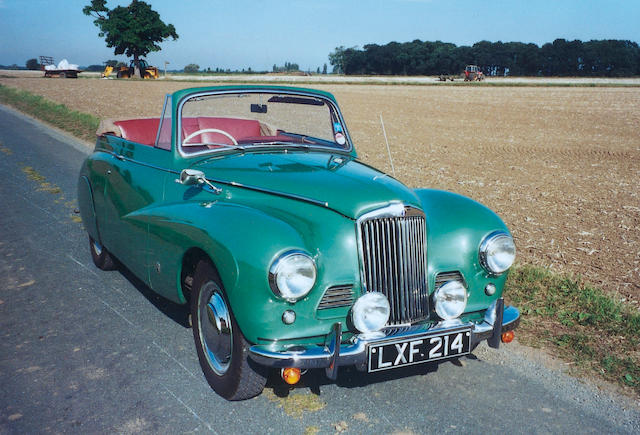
124	72
62	70
473	74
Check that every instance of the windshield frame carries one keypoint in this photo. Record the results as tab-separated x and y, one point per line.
332	106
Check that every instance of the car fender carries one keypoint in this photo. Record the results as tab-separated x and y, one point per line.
242	241
456	227
87	207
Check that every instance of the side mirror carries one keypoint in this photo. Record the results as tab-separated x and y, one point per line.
189	177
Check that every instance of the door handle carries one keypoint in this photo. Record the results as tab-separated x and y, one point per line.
119	157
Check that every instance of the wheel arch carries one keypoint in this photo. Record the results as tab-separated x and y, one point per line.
87	207
190	261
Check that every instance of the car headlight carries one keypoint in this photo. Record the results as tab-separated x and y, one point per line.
497	252
370	312
450	300
292	275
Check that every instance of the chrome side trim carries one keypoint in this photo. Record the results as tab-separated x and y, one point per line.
123	158
275	192
323	204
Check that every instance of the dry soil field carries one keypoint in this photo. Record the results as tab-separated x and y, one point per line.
561	165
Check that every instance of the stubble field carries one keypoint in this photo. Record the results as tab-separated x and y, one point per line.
561	165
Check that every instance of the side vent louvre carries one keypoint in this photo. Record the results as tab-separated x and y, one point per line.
337	296
443	277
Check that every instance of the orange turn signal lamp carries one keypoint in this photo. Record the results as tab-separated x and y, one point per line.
507	337
291	375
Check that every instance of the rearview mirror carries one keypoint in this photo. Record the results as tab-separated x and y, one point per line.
259	108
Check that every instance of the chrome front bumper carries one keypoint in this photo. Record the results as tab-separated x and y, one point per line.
497	319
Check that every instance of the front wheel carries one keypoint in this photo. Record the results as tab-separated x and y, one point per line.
222	350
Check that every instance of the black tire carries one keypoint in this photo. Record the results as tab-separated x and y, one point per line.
101	257
223	351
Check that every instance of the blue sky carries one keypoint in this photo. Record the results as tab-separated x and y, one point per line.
259	33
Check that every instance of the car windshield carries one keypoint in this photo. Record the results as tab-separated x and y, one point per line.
245	120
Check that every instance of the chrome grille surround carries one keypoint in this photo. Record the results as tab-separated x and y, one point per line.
393	260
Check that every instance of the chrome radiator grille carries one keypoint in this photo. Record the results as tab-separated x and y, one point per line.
393	245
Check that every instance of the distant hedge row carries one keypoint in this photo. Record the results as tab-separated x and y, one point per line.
605	58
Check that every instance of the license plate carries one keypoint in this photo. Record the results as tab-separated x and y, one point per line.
416	350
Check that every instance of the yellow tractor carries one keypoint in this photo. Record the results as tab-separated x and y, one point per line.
146	71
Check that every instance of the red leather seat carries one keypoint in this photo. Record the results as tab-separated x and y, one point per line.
143	131
238	128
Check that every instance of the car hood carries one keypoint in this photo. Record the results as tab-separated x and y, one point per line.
334	181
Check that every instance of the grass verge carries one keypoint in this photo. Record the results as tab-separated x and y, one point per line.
79	124
583	325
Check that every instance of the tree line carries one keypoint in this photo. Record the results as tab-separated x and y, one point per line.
609	58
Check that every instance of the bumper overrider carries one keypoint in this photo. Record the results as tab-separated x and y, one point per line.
497	320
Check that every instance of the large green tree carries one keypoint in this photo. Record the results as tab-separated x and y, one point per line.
134	30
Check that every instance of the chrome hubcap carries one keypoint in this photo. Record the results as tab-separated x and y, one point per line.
97	247
215	328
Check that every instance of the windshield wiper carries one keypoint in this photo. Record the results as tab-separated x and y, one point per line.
280	143
310	139
223	145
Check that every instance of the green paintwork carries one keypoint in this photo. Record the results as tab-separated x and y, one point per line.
271	202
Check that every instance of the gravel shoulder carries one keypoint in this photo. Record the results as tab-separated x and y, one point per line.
595	397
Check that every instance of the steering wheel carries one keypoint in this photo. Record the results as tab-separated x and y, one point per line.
208	130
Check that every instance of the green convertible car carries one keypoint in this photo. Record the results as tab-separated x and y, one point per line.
249	203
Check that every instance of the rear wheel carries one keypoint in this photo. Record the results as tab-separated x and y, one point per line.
101	257
222	350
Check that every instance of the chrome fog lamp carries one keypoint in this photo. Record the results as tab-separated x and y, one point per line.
497	252
370	312
292	275
450	300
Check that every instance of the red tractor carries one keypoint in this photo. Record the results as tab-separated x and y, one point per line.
473	74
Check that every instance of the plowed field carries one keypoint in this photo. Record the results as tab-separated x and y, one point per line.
561	165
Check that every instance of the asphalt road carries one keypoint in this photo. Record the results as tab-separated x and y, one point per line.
87	351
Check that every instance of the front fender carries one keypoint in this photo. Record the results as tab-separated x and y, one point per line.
456	227
243	241
232	236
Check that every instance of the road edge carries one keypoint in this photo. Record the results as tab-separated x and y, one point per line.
51	130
